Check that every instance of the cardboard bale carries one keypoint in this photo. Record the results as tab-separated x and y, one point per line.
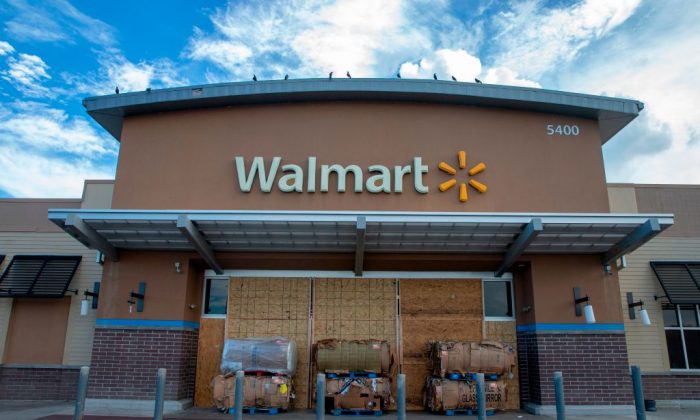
343	356
464	357
359	393
270	354
443	394
258	391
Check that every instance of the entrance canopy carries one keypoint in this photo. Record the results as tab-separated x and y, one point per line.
509	234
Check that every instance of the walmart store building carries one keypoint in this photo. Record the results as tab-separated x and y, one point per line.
404	210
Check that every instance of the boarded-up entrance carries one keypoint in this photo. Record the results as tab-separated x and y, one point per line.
263	307
435	310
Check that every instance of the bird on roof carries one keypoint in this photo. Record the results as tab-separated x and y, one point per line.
148	90
255	78
330	75
454	78
477	80
286	76
398	75
348	74
116	90
435	76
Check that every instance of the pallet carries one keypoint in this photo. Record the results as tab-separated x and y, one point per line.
468	412
352	375
347	412
258	410
470	376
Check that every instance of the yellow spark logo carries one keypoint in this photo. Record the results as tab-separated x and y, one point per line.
478	168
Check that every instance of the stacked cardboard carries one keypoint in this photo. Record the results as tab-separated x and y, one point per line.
358	393
463	357
258	391
452	387
445	394
268	363
358	371
339	356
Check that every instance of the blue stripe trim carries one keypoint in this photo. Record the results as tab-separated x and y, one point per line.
118	322
570	327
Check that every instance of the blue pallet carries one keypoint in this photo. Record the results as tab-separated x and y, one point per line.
468	412
259	410
470	376
346	412
352	375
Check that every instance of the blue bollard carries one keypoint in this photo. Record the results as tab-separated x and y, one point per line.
480	396
82	390
238	396
160	391
320	396
401	397
638	393
559	395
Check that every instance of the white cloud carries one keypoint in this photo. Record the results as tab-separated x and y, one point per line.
650	61
312	38
117	70
6	48
532	40
46	153
26	74
505	76
24	174
446	63
56	21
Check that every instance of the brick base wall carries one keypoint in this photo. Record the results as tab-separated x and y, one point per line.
125	362
594	366
38	383
671	387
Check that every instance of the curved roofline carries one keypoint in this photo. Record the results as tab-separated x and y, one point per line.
612	114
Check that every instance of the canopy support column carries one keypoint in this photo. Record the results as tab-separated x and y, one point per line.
81	231
200	244
527	235
360	245
634	240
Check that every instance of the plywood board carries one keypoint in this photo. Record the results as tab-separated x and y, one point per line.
435	310
504	332
265	307
209	349
355	309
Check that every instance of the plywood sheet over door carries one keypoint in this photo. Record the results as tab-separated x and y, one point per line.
435	310
209	348
355	309
264	307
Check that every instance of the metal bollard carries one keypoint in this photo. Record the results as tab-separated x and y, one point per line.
401	397
638	392
160	391
82	390
480	396
238	396
559	395
320	396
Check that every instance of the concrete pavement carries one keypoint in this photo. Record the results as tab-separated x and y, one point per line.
63	410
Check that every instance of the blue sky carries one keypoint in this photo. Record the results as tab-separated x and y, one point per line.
55	53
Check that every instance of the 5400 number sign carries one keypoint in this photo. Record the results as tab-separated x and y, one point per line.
562	130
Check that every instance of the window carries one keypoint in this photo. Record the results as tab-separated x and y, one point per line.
215	297
498	299
682	326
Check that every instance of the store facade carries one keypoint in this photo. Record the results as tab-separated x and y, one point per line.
392	209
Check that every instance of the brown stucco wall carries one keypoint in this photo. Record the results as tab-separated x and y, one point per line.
185	159
37	332
31	215
681	200
554	278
